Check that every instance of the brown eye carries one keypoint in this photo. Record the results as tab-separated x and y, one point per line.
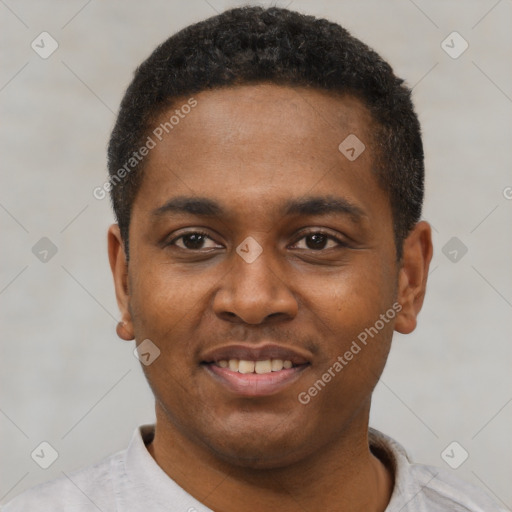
194	241
317	241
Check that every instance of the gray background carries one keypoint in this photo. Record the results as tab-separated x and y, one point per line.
68	380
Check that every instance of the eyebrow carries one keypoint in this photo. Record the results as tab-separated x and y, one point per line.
324	205
311	205
200	206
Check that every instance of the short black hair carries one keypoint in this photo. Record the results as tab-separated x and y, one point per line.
250	45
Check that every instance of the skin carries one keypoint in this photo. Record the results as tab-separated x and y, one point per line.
250	149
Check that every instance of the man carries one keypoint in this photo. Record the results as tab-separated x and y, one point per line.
266	172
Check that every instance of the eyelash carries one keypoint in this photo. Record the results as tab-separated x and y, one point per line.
203	233
329	236
341	243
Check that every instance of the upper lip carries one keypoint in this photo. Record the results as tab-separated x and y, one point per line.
259	352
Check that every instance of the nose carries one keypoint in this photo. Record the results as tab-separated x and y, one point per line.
254	293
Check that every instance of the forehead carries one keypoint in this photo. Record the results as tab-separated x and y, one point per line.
247	114
250	146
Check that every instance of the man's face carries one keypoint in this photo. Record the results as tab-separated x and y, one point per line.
266	157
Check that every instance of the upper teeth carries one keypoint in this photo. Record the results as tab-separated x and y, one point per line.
245	366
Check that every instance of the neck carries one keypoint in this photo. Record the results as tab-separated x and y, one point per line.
342	476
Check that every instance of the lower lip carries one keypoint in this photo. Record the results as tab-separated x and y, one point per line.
254	384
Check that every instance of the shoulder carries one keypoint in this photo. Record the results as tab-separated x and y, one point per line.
87	489
440	490
419	487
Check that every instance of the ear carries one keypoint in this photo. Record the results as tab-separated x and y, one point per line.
412	276
119	267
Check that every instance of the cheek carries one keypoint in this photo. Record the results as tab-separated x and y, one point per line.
166	305
352	297
354	314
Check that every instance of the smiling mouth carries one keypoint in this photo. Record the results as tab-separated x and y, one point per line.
257	367
255	370
247	378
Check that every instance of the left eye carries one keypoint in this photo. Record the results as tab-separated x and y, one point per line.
319	241
194	241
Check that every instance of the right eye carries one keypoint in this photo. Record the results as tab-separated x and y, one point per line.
193	241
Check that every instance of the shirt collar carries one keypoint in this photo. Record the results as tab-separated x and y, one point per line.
406	488
141	484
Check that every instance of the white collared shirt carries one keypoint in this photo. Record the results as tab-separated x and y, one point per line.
132	481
